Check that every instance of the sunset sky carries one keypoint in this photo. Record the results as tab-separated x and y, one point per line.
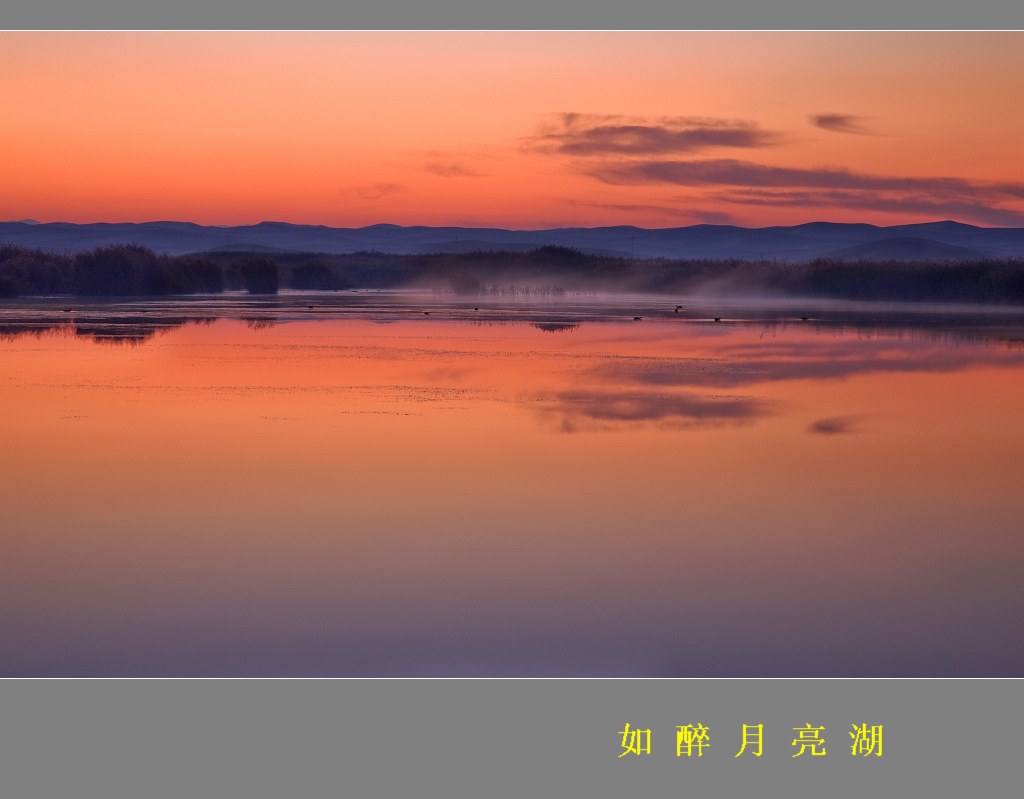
519	130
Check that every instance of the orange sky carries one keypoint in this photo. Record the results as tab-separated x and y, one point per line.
351	129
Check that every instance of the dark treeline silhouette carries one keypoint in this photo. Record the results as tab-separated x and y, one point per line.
257	274
128	270
33	272
565	269
330	272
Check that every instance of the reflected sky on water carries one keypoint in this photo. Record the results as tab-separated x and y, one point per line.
388	484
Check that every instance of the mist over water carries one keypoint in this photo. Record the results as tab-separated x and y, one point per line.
381	483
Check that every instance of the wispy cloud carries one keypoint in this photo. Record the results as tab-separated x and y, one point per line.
759	184
377	190
841	123
729	172
712	217
681	211
452	170
670	151
596	135
935	207
835	425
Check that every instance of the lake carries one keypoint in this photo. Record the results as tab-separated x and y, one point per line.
417	484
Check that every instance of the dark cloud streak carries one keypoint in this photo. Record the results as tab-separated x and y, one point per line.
730	172
876	201
758	184
638	151
840	123
835	425
590	135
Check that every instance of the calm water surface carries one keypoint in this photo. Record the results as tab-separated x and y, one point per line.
546	487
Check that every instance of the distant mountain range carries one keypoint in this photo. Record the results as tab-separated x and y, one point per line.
946	241
909	248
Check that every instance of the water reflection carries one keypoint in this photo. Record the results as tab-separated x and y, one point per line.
140	319
679	410
356	488
102	329
752	363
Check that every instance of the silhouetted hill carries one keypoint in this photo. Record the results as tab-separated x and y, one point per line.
908	248
796	243
245	248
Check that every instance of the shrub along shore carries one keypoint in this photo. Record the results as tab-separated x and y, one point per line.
131	270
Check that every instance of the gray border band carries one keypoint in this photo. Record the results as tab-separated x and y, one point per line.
523	14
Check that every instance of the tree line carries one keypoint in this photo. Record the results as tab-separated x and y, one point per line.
131	270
